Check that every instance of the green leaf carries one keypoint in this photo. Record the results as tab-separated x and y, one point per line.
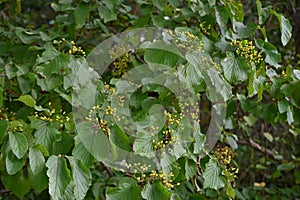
237	10
268	136
263	13
26	83
59	176
18	144
82	154
255	85
286	166
94	140
27	99
234	68
82	178
244	31
81	13
55	66
154	191
36	160
19	183
49	83
222	17
119	138
285	28
273	57
143	145
217	88
106	14
1	96
230	192
13	164
232	142
39	182
159	56
10	70
3	129
46	135
49	54
297	176
290	117
212	177
190	169
64	144
200	139
126	190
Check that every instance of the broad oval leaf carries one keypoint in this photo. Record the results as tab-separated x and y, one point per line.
212	177
13	164
127	189
94	140
27	99
154	191
36	160
234	68
18	143
285	28
46	135
59	176
82	178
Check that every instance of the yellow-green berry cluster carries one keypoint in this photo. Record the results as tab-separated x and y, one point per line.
173	121
70	47
205	29
76	50
3	115
188	41
190	109
246	49
97	116
142	175
225	157
109	89
16	126
165	179
121	60
53	116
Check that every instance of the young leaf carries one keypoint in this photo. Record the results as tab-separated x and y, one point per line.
212	177
59	176
82	178
36	160
18	143
27	99
127	189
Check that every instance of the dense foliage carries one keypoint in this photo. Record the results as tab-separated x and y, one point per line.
89	110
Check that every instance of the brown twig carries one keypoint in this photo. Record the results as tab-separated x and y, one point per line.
3	75
249	142
110	173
